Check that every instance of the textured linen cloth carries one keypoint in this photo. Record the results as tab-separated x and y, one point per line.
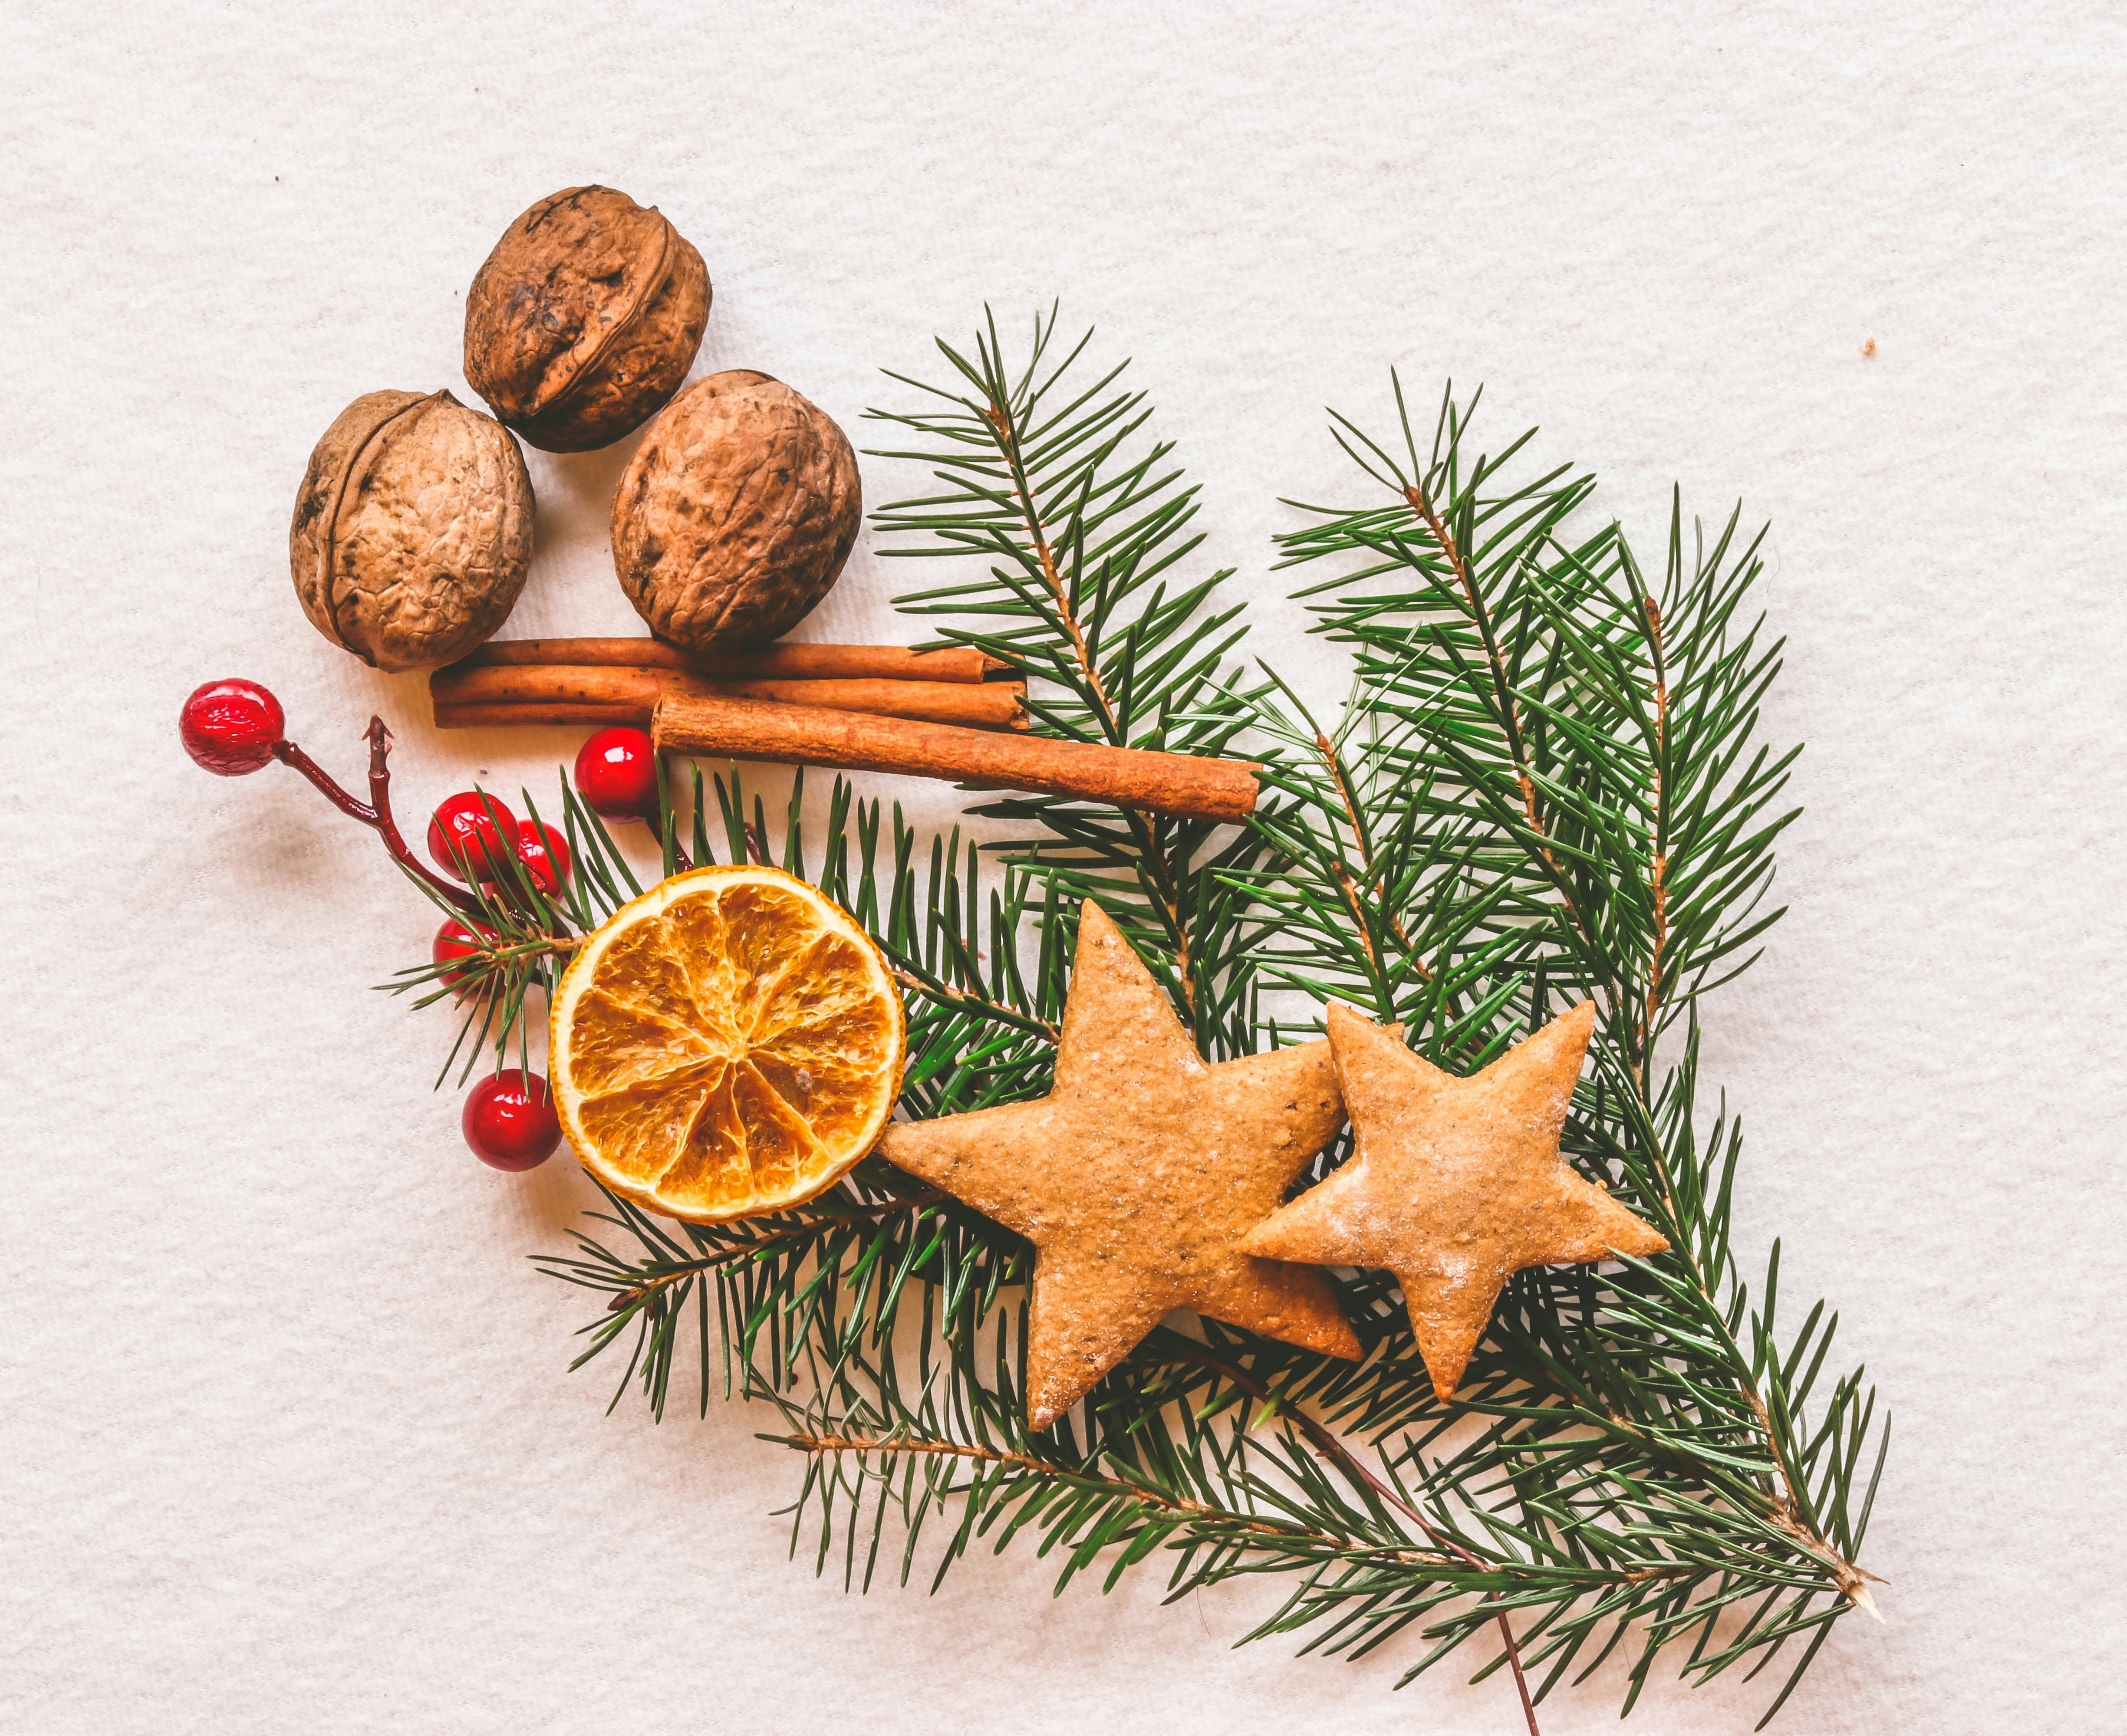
289	1441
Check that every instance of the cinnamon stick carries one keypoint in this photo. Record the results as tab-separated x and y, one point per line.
1180	784
495	715
553	693
771	662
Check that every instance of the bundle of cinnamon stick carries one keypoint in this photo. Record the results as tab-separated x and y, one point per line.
854	708
531	681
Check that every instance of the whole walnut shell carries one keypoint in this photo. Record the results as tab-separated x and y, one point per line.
585	320
735	513
413	529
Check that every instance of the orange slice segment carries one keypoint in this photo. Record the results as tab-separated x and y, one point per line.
730	1042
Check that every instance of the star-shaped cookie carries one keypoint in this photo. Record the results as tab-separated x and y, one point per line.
1455	1184
1137	1175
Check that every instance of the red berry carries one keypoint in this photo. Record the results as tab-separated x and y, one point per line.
617	773
231	727
546	853
509	1121
465	835
456	940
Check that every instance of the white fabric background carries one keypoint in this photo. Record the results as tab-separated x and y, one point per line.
287	1438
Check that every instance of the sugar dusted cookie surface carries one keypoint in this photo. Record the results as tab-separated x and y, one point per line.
1455	1184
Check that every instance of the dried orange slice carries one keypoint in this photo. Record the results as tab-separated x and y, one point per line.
729	1043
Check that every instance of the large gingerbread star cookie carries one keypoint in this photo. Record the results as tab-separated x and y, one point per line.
1137	1176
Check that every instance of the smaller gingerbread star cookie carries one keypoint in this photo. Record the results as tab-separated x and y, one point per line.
1137	1176
1454	1184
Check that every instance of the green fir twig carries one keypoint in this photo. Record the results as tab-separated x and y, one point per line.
1546	787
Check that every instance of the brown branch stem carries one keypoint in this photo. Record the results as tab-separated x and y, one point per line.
376	814
939	992
1851	1580
928	1447
510	951
1141	824
1510	718
1326	1443
1122	1485
1659	877
1348	797
1786	1506
1000	419
627	1298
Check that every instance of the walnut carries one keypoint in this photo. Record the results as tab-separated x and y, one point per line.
413	529
585	320
735	513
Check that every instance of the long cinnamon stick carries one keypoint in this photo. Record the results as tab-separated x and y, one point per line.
771	662
1180	784
992	705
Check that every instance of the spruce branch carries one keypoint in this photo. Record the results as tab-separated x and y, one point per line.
1334	1450
1599	752
1082	522
1547	786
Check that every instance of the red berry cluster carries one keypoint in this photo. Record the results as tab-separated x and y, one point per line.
235	727
508	1120
471	836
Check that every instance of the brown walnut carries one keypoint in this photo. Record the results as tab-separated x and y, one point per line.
413	529
735	513
585	318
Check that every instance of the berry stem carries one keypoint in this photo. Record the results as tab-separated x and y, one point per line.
377	817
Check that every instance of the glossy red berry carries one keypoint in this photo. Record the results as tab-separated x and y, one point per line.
455	940
545	852
509	1121
231	727
617	773
466	835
